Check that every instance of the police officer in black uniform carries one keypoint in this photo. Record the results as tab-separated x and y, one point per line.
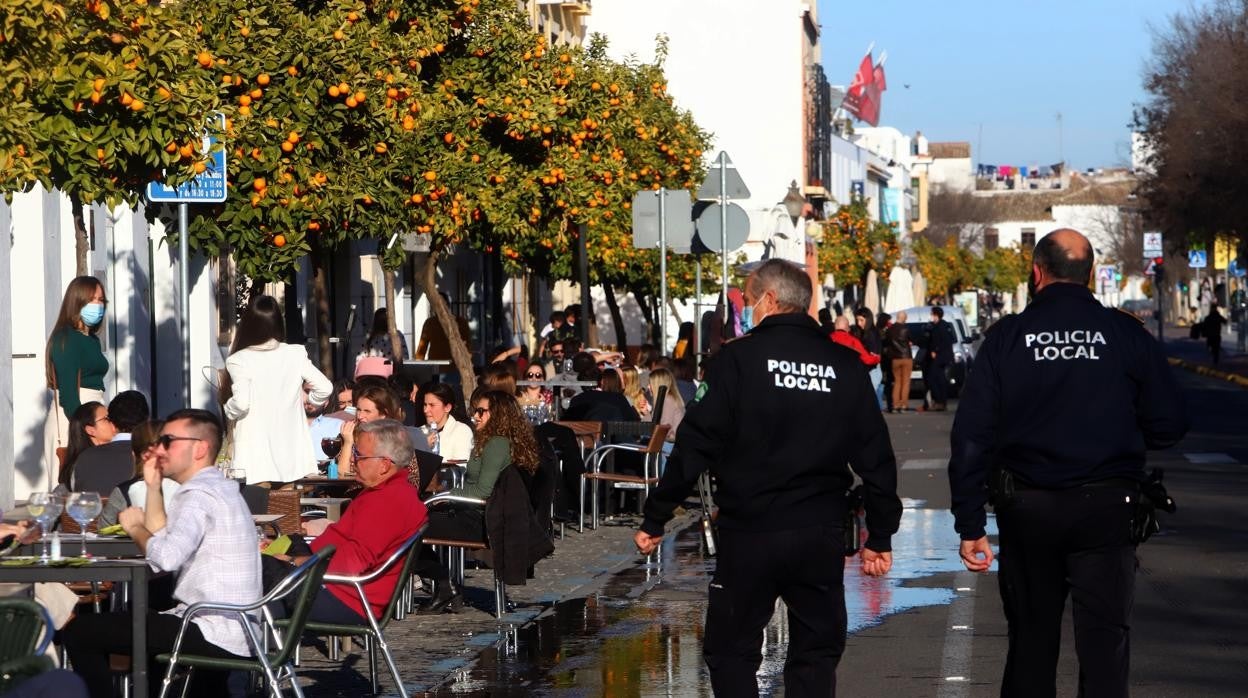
1062	402
783	415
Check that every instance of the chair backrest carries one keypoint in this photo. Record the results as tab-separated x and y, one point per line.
285	503
23	621
657	438
68	525
656	413
409	552
257	498
304	581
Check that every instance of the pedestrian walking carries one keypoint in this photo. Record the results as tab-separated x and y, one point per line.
901	361
779	421
1212	328
1053	424
75	367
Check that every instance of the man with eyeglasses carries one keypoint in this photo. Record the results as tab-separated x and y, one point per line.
205	534
381	517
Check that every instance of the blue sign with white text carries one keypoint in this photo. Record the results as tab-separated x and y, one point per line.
1197	259
207	187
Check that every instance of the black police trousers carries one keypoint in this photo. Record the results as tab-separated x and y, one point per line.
805	567
1055	543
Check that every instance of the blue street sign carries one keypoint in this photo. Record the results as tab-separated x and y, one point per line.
208	187
1197	259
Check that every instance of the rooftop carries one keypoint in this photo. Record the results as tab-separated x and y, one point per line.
949	150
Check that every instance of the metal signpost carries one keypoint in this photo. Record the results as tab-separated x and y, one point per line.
208	187
663	218
729	186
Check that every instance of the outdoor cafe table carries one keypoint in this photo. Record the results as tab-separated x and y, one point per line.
97	546
133	571
556	384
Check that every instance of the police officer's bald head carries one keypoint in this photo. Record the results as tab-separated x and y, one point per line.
787	282
1063	256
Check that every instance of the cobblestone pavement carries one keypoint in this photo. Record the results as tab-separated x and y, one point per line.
431	649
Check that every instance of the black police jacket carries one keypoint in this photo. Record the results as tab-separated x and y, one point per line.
782	416
1066	393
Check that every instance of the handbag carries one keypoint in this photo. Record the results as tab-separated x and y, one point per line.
374	366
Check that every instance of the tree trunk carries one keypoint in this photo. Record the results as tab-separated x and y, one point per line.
459	349
82	244
320	300
387	281
648	315
621	336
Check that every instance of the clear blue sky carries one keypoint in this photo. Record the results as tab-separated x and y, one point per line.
1010	65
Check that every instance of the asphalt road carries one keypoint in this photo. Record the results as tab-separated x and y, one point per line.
1191	604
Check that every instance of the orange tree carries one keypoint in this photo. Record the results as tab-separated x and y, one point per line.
850	242
1001	270
947	268
99	100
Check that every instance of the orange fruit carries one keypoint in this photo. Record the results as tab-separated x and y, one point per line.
259	184
344	88
98	84
353	16
292	71
199	167
352	103
279	240
417	198
99	153
126	99
257	93
244	100
204	59
338	35
96	97
263	79
172	147
137	105
244	31
164	92
287	146
293	137
564	58
380	148
449	138
244	111
360	96
431	176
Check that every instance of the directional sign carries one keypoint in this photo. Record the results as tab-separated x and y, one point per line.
677	217
1152	245
1105	272
1197	259
734	186
208	187
708	225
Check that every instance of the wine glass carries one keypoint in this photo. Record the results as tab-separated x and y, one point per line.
332	446
45	507
238	474
83	507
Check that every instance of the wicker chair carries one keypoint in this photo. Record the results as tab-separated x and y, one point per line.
286	503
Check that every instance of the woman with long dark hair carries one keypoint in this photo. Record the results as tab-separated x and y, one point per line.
263	395
866	331
504	437
378	341
448	437
75	366
89	426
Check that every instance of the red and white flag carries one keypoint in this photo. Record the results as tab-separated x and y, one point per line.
858	88
863	99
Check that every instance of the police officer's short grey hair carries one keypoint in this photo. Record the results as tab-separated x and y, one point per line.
786	280
391	439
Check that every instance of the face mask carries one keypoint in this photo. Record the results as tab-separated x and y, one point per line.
747	319
92	314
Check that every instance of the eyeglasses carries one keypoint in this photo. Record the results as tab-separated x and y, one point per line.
102	419
356	457
536	376
556	351
478	411
166	440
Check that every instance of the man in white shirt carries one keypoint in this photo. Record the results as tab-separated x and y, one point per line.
206	536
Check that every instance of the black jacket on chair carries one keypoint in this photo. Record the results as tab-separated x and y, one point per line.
516	539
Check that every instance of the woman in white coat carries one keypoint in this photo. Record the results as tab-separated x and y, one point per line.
448	437
264	397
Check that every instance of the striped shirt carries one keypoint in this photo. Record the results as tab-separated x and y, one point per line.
209	539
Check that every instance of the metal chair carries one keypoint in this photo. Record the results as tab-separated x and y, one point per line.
408	553
277	666
27	634
653	451
455	549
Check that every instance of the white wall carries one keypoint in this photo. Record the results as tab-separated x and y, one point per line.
737	65
954	174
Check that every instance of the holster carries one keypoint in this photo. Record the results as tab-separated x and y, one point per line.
709	534
854	501
1153	496
1000	488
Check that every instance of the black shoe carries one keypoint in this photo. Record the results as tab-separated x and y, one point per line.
447	598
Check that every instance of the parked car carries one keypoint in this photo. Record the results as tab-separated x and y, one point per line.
963	347
1142	308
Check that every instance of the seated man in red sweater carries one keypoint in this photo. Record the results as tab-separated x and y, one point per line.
386	513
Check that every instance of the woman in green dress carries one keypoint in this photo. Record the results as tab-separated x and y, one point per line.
75	366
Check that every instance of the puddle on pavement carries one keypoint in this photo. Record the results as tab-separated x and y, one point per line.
641	634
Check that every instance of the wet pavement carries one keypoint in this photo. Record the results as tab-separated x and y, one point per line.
640	635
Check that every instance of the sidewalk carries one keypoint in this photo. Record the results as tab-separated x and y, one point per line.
430	650
1193	355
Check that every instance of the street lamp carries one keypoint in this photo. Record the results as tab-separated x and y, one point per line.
793	202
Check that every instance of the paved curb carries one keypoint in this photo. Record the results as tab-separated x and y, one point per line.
1203	370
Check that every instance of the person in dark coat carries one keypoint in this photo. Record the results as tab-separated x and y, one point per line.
1212	327
939	355
605	403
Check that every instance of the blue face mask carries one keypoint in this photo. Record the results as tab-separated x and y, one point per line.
92	314
747	319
